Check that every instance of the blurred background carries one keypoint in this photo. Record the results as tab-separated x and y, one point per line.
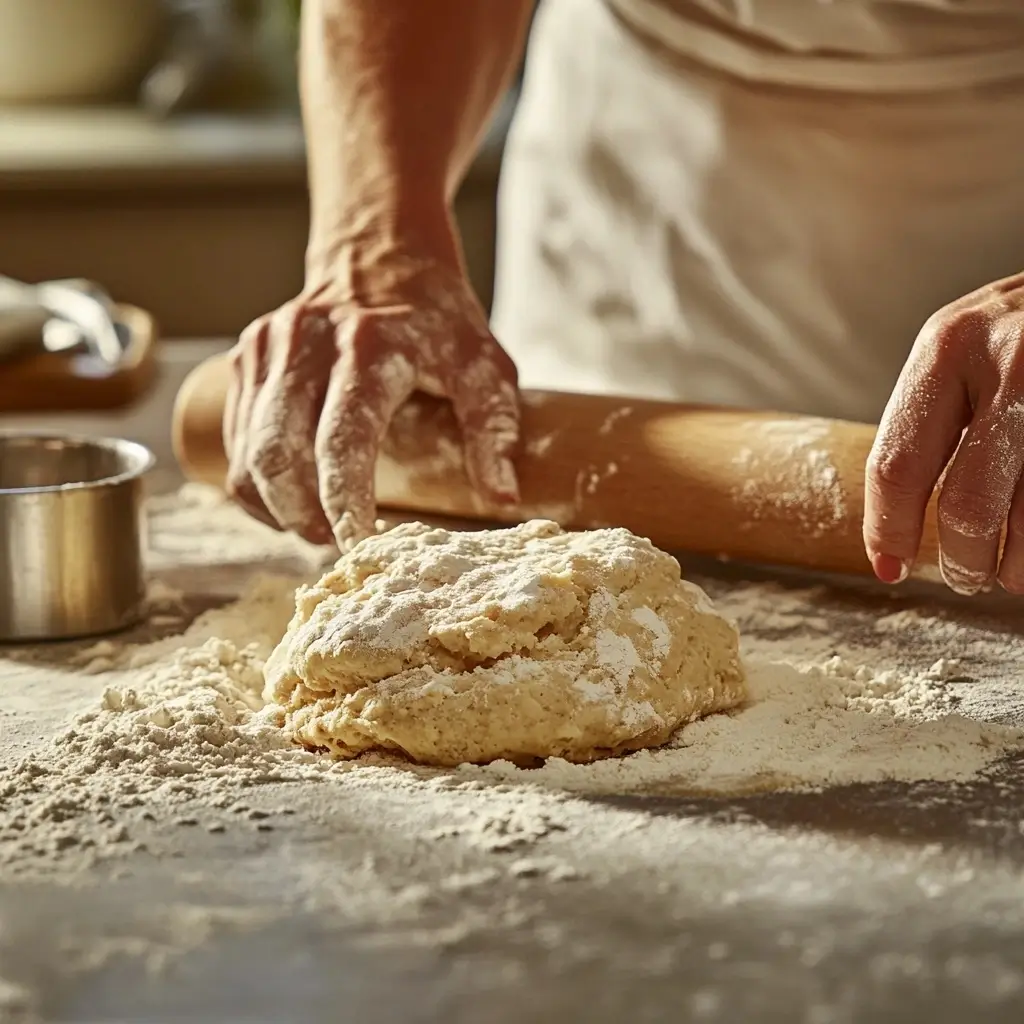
151	151
154	146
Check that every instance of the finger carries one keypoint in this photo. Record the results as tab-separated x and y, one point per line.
485	397
229	421
919	431
1006	285
1011	566
365	390
250	370
976	498
280	455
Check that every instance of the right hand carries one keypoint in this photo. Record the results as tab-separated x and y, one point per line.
317	382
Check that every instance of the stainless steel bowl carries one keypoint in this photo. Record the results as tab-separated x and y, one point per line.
71	535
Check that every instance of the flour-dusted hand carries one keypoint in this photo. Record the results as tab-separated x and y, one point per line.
959	403
395	99
317	382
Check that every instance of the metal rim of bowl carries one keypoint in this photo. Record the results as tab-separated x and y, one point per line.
145	460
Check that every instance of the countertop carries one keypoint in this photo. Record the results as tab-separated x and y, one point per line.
110	147
891	902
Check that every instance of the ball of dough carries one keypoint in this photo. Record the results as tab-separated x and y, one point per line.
523	643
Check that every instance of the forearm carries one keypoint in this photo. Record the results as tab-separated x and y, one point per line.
395	97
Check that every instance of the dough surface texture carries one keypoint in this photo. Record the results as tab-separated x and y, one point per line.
516	644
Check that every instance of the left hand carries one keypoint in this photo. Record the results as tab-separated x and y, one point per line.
960	397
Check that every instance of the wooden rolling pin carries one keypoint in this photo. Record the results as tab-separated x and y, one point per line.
752	486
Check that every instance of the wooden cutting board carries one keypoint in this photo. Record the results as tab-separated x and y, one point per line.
70	382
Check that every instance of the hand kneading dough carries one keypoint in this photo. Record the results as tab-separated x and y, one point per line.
521	644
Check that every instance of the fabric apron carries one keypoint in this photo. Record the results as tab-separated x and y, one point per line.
709	207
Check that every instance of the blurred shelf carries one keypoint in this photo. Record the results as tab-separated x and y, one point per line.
113	147
200	220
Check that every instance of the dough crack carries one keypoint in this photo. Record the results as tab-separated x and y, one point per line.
523	643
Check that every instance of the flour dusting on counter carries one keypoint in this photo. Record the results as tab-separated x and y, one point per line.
179	730
172	816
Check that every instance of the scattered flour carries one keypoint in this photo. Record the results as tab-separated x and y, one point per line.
170	931
808	726
181	725
180	535
174	742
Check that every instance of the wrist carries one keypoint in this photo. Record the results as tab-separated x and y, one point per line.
369	255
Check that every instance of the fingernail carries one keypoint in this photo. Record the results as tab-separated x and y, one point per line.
889	568
961	580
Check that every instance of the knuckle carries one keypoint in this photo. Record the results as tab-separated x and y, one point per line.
241	358
304	323
252	336
894	471
944	332
363	338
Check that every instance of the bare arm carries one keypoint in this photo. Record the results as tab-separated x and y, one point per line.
395	97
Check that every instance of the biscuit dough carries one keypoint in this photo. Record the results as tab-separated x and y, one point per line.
521	643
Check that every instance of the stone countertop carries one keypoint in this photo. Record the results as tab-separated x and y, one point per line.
880	903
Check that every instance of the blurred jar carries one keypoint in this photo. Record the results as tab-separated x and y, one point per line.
73	51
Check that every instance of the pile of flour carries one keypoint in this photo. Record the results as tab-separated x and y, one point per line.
163	750
180	732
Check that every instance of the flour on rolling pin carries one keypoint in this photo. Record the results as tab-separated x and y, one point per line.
590	478
538	447
789	464
613	418
416	464
419	459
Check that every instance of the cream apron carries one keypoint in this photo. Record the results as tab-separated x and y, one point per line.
756	203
